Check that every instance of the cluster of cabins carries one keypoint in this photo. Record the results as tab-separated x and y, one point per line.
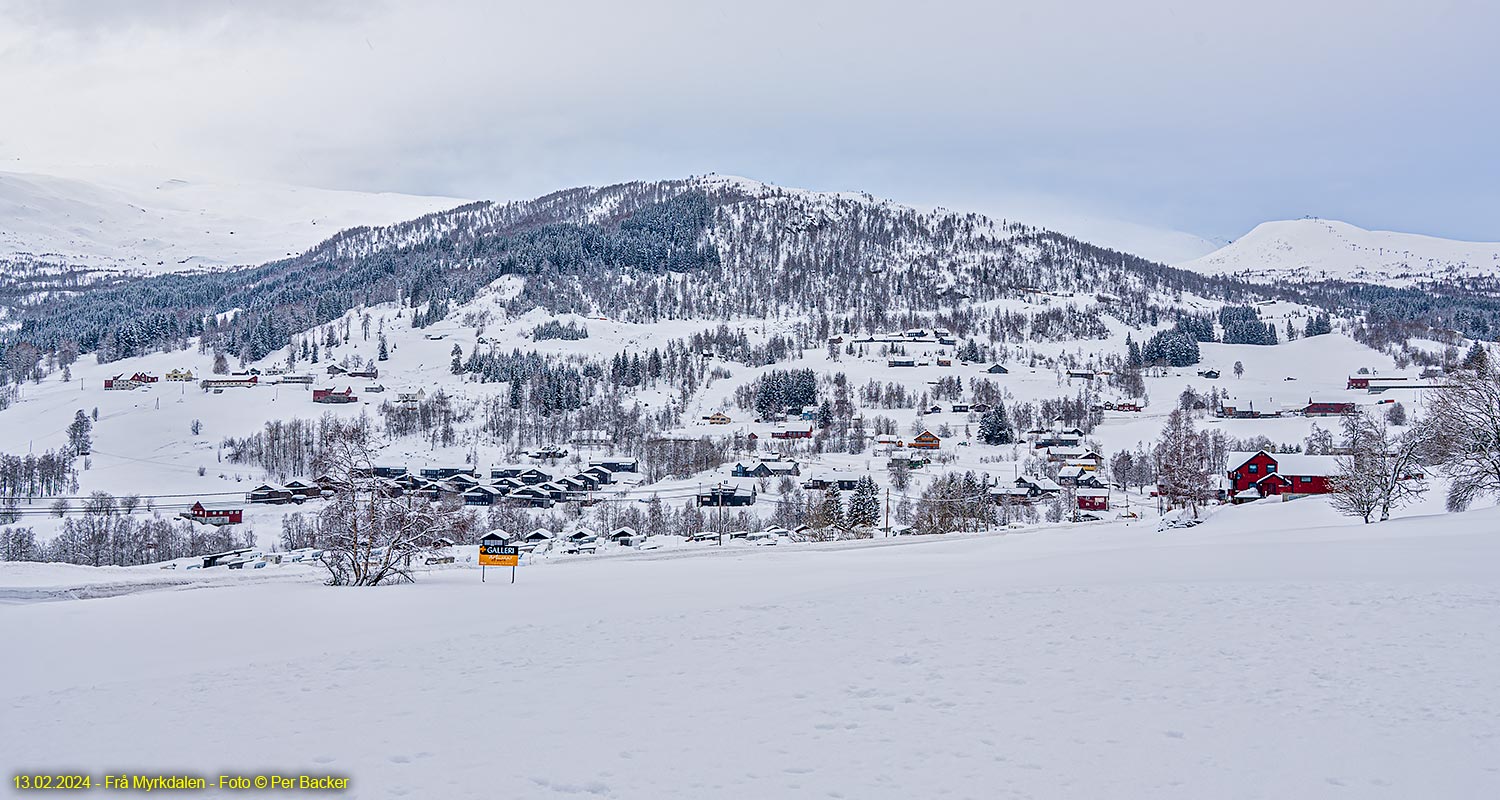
938	336
1090	492
517	484
581	539
520	485
960	408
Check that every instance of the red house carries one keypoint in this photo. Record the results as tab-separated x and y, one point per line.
141	377
792	434
1323	408
1093	499
333	396
1261	474
215	515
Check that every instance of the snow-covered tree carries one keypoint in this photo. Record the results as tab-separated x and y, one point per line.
994	427
79	440
368	537
864	504
829	511
1379	470
1461	434
1182	463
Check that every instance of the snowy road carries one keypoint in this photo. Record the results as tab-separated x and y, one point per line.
1342	661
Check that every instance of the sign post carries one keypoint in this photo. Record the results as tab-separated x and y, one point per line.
498	555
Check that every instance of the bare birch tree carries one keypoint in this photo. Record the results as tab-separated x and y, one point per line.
370	538
1462	435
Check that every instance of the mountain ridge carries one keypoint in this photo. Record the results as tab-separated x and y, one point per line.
1314	249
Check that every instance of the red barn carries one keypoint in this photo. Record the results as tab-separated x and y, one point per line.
1093	499
1261	474
332	396
792	434
141	377
215	515
1324	408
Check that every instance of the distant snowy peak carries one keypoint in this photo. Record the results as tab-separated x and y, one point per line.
156	223
1319	249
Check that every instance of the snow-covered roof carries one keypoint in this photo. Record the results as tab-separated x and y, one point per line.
1289	463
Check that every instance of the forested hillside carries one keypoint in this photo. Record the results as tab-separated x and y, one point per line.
701	249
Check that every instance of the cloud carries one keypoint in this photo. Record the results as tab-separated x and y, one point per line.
1205	117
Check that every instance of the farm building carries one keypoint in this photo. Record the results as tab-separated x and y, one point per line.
179	375
1093	499
1326	408
269	493
334	396
1261	474
215	515
233	381
302	488
792	434
721	496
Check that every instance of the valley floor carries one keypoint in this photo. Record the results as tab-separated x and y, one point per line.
1257	655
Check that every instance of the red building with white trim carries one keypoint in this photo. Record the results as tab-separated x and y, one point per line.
1261	474
215	515
1093	499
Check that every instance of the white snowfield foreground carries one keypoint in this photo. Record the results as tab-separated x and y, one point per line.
1275	651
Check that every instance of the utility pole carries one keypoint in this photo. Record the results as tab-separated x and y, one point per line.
887	511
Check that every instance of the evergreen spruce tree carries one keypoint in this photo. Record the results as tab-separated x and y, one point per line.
864	504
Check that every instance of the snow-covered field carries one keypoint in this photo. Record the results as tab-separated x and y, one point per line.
154	221
1275	651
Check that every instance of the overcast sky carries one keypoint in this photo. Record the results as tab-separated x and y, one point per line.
1384	114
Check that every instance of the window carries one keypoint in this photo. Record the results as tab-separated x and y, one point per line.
1254	468
1306	479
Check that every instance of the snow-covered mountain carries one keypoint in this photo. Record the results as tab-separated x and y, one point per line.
145	220
1319	249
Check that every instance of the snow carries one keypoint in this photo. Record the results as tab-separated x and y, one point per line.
1148	241
1277	650
152	221
1318	249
